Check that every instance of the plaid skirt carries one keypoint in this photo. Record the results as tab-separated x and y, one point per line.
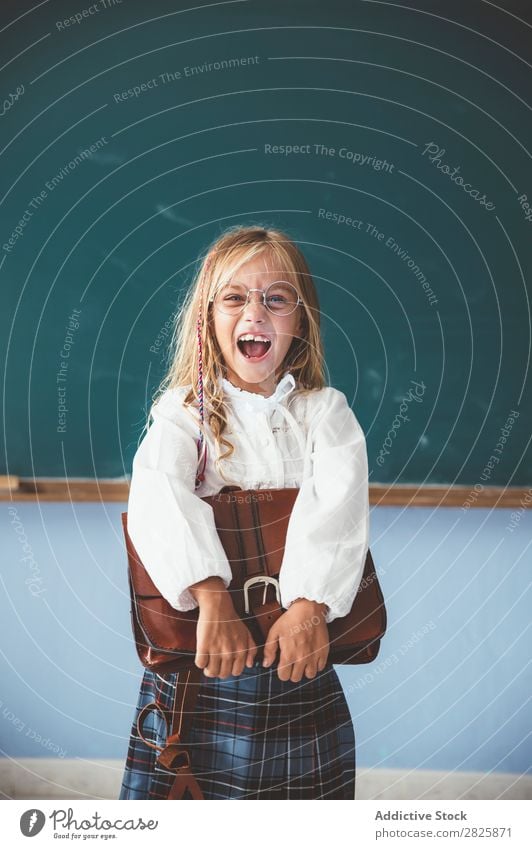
252	737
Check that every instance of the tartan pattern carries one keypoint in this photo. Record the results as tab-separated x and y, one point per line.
252	737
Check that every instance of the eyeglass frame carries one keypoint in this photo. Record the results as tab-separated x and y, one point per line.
264	304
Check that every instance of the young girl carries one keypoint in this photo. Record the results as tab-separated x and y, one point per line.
248	349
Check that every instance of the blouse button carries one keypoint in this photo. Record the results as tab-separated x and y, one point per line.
266	440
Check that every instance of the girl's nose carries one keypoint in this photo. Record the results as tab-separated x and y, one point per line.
255	306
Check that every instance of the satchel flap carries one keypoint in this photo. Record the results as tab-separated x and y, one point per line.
252	526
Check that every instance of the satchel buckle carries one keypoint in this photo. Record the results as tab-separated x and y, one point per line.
260	579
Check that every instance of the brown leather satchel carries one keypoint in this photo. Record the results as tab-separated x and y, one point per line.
252	526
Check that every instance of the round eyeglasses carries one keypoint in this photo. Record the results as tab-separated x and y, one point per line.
280	298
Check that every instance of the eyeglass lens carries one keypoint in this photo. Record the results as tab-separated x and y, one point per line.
280	298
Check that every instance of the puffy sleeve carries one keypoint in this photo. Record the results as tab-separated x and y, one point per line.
328	531
172	529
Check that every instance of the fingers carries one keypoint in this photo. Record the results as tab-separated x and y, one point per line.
252	651
233	663
226	665
213	669
202	658
294	670
287	660
223	664
311	670
291	667
322	662
238	666
270	650
244	658
298	670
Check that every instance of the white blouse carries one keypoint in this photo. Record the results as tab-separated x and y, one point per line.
313	442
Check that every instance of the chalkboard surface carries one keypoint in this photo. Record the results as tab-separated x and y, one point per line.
391	140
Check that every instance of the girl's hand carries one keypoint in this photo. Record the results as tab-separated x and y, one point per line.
302	635
224	645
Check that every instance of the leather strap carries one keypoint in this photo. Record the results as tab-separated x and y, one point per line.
174	756
265	615
237	598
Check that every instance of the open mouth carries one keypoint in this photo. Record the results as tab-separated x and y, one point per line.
254	347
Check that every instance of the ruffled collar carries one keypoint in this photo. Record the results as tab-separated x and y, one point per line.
254	399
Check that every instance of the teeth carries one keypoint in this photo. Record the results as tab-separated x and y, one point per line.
250	337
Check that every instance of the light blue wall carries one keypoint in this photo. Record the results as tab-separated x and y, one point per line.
449	690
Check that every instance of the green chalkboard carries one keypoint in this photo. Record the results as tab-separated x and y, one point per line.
391	140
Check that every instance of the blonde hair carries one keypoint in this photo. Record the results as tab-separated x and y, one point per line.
304	358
